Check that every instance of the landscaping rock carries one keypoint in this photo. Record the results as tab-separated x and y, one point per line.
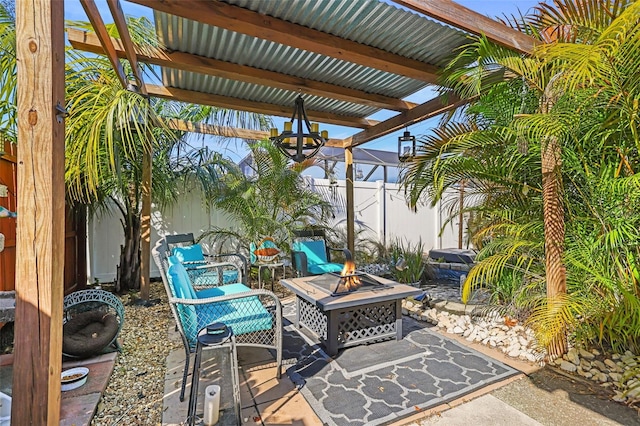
568	366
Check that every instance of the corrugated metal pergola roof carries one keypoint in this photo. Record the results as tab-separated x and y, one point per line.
368	22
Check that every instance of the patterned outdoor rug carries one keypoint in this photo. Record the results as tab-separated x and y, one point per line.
384	382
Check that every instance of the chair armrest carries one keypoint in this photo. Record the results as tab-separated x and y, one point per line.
200	279
344	250
241	258
299	262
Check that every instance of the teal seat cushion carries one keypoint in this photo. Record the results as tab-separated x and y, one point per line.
324	268
189	253
223	290
244	316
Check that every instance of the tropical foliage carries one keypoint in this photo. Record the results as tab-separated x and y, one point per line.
111	129
272	200
559	129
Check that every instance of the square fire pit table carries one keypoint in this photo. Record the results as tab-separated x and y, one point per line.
368	314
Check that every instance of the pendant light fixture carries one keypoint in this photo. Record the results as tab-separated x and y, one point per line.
305	142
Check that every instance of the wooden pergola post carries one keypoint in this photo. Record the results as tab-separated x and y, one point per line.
40	201
351	227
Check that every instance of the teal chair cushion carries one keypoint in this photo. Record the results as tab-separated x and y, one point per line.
179	279
316	251
181	286
244	315
324	268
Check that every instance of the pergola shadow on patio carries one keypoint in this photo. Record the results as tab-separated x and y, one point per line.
348	58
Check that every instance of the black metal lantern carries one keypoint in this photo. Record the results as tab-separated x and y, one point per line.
406	146
301	144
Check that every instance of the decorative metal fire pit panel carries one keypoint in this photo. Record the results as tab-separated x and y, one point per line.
367	322
312	318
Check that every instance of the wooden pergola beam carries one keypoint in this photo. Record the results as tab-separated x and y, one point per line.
93	14
89	42
230	132
258	107
244	21
40	228
422	112
458	16
129	48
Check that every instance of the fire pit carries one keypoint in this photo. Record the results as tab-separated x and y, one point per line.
349	309
338	284
347	281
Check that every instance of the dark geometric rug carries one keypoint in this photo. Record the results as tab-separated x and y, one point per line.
383	382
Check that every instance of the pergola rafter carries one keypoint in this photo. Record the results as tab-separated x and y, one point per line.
191	96
88	42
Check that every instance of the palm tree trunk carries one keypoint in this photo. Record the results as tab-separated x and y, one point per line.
554	231
553	215
129	269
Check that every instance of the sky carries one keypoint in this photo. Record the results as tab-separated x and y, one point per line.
491	8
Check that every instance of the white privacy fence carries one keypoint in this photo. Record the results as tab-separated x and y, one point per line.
379	207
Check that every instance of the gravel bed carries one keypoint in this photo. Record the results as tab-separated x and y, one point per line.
134	393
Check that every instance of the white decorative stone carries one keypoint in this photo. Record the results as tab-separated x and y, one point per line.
458	330
611	365
616	377
600	366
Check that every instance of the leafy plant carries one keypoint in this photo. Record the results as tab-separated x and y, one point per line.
406	261
272	200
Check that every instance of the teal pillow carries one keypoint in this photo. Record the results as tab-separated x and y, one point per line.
181	286
189	253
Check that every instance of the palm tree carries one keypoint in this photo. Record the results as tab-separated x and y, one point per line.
7	70
272	200
573	40
109	129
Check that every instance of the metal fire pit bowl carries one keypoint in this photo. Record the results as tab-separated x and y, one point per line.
333	283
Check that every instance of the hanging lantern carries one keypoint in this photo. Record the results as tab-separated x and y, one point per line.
406	146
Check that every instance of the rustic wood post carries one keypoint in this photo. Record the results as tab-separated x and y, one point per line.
40	228
351	217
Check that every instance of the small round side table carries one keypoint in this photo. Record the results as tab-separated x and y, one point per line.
216	335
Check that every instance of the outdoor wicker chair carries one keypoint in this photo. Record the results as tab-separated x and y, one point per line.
92	320
255	316
193	257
